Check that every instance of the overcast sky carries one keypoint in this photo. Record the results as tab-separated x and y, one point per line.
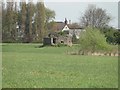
74	10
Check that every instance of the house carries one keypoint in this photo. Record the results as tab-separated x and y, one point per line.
57	38
64	33
73	29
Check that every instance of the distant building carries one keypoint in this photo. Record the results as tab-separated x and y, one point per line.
57	38
72	29
64	33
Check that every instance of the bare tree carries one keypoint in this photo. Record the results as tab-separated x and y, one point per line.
95	17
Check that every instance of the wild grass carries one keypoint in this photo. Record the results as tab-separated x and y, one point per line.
27	66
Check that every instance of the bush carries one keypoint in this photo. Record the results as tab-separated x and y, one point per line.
74	39
93	40
112	35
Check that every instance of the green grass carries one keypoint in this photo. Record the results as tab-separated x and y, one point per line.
26	66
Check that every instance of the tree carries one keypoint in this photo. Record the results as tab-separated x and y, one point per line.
0	22
74	39
51	25
117	37
95	17
28	22
22	19
3	20
112	35
8	22
93	40
40	18
32	11
25	22
15	21
49	14
49	17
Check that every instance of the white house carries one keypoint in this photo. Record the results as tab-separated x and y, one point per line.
72	30
64	26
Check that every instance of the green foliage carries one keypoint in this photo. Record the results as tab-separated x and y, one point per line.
31	19
29	25
49	14
50	26
40	20
63	33
93	40
112	35
117	37
9	18
49	17
74	39
61	44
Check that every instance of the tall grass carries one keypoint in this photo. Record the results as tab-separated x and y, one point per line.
25	66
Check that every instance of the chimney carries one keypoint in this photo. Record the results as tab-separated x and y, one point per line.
69	21
66	21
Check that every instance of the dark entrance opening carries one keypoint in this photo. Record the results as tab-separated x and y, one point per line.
62	42
54	40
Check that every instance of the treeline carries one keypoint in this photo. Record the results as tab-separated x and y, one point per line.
25	22
112	35
98	18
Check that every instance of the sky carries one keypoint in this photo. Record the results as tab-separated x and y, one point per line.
74	10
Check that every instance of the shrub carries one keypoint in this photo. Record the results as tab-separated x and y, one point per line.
93	40
112	35
74	39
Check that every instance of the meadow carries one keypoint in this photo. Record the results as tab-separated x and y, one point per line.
27	66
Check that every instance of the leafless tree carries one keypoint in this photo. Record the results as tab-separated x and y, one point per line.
95	17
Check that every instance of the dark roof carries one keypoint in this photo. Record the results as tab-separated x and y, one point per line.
70	26
59	25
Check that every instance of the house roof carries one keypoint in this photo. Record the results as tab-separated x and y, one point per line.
58	26
74	26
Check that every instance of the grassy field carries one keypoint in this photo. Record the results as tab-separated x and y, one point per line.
26	66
